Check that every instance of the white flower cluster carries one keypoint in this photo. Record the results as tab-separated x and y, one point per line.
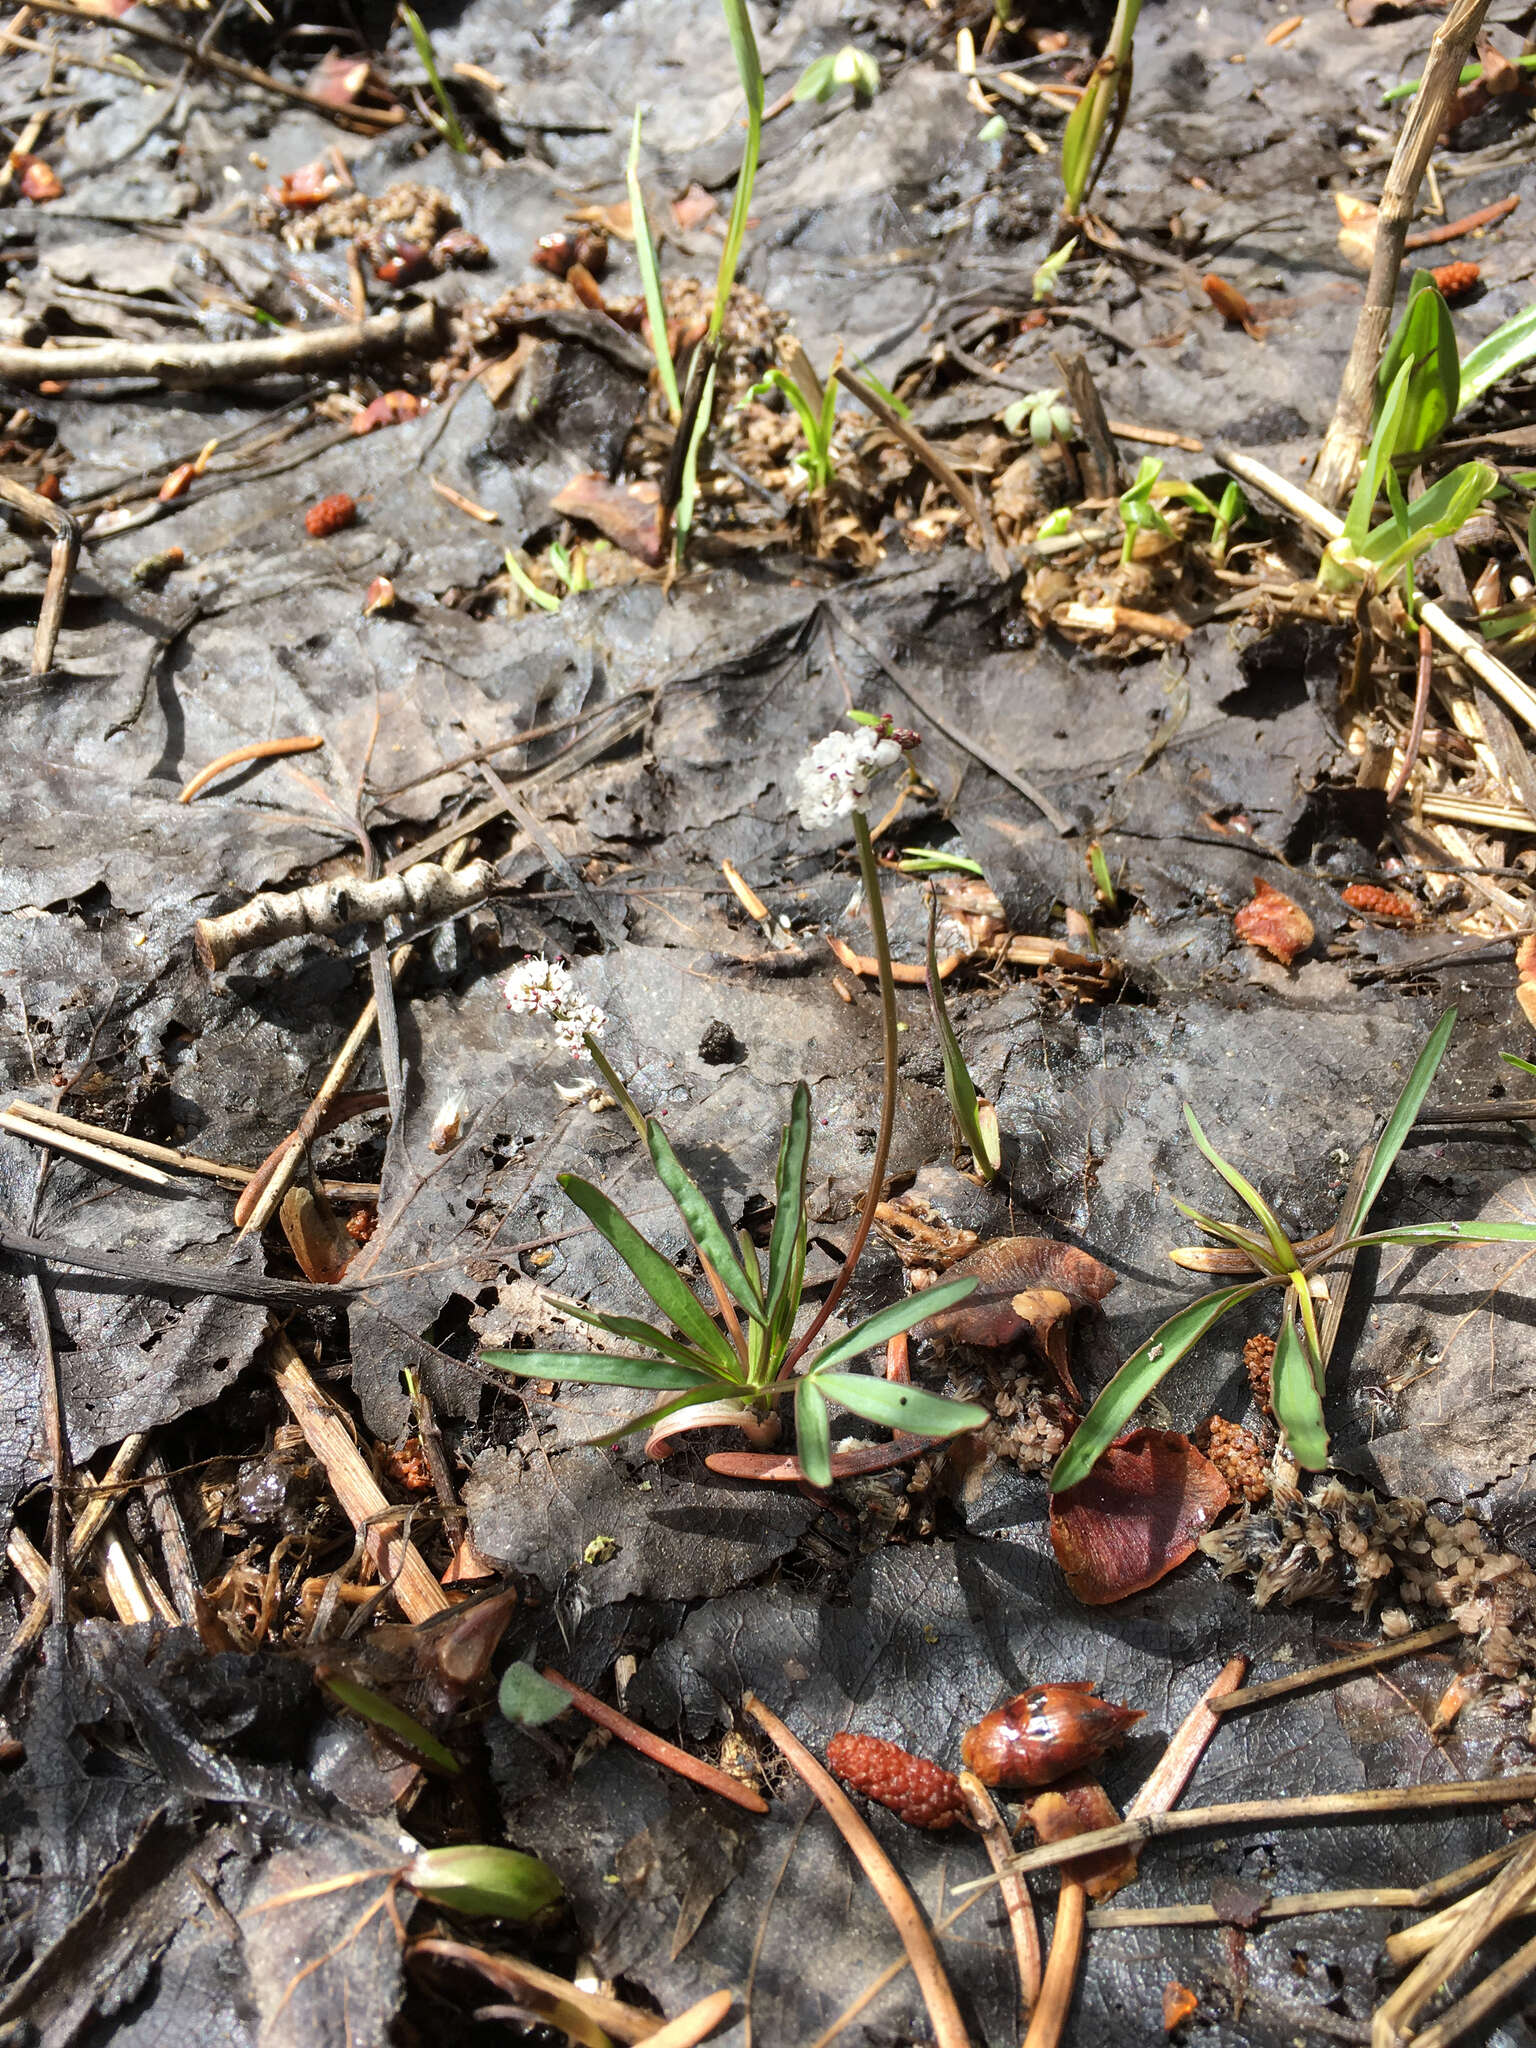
835	775
544	988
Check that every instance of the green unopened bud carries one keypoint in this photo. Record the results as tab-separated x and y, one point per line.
475	1877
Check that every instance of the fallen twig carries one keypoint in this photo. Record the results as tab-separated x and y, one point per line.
1022	1923
511	1974
257	750
1340	1667
658	1749
1260	1813
907	971
1453	230
189	365
422	894
696	2024
1422	681
971	502
400	1565
65	529
166	1155
1504	683
948	2027
82	1148
1061	1967
1346	436
89	1524
1165	1784
1480	1916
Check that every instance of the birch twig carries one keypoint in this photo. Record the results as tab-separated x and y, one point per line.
422	894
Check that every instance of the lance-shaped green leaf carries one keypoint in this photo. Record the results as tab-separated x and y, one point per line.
1233	1234
1280	1245
1294	1395
704	1226
649	1417
634	1331
958	1085
1436	514
603	1369
895	1405
650	278
1404	1113
1425	337
1441	1233
813	1433
395	1721
789	1199
660	1279
1138	1377
890	1322
1514	1059
476	1877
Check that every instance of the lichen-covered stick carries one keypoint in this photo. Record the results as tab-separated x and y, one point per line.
421	894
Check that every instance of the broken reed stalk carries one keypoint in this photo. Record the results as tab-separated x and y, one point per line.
1107	480
423	894
971	502
257	750
85	1149
1340	1667
399	1564
175	1550
1351	424
116	1142
1478	2003
696	2024
254	1215
1022	1923
1487	1910
1299	1904
658	1749
1503	682
1062	1965
191	365
511	1974
65	529
1387	1801
89	1524
948	2027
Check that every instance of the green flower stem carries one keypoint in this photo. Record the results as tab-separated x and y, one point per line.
870	874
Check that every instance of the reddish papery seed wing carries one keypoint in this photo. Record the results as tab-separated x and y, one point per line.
1079	1807
1274	924
1141	1511
1009	1267
629	514
919	1792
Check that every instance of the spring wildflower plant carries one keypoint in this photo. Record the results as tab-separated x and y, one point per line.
545	988
744	1351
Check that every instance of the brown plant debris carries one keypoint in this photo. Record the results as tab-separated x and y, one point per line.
1273	924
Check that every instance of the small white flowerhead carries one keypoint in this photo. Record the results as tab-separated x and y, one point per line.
544	988
835	775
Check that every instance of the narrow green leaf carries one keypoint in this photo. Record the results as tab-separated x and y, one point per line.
452	133
1138	1377
1233	1234
650	278
1401	1121
475	1877
891	1322
958	1085
1294	1395
789	1198
1525	1066
649	1417
660	1279
616	1088
704	1227
1357	521
601	1369
1441	1233
1506	350
813	1433
395	1721
633	1331
1280	1245
895	1405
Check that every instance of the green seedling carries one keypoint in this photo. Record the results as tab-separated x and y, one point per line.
1085	147
828	75
1231	511
1098	868
1424	338
1043	414
816	408
750	71
445	120
928	860
650	278
395	1722
544	599
977	1120
527	1698
477	1877
1470	74
1300	1363
1138	507
1048	275
570	568
1509	348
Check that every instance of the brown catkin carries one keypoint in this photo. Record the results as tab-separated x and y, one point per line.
921	1793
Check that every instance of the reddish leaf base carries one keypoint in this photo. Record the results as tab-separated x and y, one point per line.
1139	1513
845	1464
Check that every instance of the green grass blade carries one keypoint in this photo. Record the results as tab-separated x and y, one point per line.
1139	1376
660	1279
813	1433
602	1369
688	489
1440	1233
1357	521
544	599
1401	1121
650	278
895	1405
1279	1244
890	1322
704	1227
1504	352
633	1331
750	70
787	1307
395	1721
1294	1395
616	1088
789	1199
958	1085
453	134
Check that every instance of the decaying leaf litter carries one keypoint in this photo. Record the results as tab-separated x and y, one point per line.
252	1738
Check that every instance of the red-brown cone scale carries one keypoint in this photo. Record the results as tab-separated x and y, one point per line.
1043	1734
916	1791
